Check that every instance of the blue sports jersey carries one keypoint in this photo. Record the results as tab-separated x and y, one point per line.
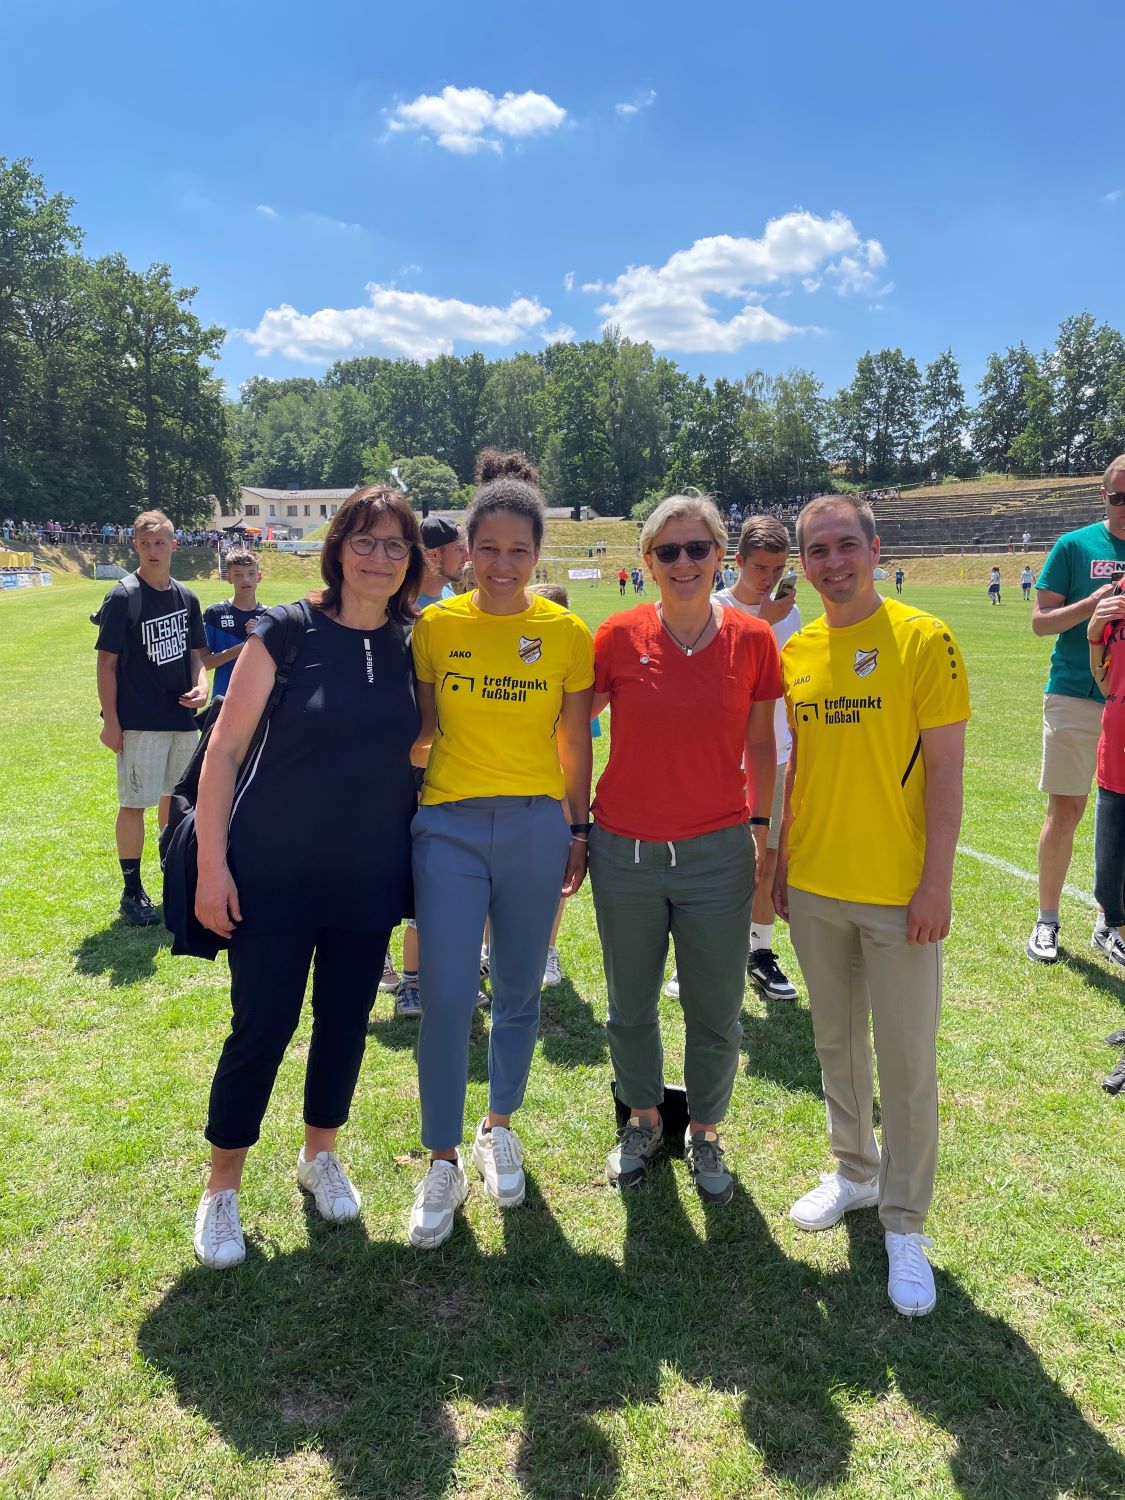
226	627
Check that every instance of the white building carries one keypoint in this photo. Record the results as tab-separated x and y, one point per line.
293	511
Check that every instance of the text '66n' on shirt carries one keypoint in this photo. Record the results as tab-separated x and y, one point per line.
859	697
678	723
499	682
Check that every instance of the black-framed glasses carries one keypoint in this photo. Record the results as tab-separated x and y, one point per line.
669	552
393	546
1113	498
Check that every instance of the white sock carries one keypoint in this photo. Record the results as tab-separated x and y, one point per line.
761	936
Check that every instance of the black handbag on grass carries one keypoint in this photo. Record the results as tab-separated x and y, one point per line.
179	848
674	1115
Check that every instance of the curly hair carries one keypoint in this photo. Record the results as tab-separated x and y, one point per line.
507	481
493	464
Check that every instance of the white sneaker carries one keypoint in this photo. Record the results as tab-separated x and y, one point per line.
910	1278
389	980
827	1204
440	1194
218	1232
1043	944
552	970
498	1157
672	988
337	1200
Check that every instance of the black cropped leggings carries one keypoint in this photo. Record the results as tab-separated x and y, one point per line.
268	978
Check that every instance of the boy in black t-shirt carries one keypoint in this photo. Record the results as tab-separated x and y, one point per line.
151	681
229	625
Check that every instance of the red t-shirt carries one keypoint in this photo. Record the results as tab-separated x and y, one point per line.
678	723
1111	745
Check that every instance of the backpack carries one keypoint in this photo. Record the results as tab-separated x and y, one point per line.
131	584
179	847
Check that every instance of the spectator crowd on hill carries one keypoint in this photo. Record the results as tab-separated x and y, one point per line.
86	534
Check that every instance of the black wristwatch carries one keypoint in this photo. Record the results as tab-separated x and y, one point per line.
760	822
580	828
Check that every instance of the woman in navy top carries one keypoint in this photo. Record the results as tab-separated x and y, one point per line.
310	866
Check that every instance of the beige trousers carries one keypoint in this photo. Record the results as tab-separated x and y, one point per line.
858	965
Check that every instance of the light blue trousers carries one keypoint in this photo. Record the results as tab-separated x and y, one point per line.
501	858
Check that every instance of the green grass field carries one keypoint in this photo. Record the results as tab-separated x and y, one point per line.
589	1344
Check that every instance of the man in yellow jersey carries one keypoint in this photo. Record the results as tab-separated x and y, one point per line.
878	701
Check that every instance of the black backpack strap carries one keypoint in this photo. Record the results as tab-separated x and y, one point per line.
132	586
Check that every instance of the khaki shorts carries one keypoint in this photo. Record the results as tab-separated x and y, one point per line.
1071	727
150	764
773	836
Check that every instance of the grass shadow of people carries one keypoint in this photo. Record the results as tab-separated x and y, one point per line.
400	1034
1098	975
779	1045
126	954
571	1035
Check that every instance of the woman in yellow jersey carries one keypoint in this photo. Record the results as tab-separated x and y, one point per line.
504	687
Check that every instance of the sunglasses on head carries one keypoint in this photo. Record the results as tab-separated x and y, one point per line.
1113	498
669	552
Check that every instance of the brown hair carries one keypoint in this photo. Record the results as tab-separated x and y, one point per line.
239	557
1117	466
507	481
152	520
863	514
359	512
762	534
553	591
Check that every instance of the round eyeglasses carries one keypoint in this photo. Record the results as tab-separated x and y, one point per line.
393	546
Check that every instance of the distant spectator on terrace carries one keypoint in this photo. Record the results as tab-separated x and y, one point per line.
1079	572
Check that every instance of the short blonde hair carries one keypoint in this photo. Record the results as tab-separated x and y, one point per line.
691	505
152	520
1117	466
862	508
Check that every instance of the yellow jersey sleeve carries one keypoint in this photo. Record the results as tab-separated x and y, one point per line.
941	685
580	671
420	642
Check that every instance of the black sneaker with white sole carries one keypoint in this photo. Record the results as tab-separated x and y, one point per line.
138	911
1114	1082
773	984
1043	944
1108	941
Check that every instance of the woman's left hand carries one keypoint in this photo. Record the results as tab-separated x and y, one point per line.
575	866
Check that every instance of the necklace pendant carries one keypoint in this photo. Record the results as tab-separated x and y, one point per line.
688	651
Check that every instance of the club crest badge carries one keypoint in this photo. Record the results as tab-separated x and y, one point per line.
530	650
865	662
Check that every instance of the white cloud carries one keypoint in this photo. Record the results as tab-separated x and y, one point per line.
642	102
672	305
465	121
394	322
270	213
568	281
563	334
1113	196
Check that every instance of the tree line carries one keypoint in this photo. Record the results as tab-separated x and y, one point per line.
109	401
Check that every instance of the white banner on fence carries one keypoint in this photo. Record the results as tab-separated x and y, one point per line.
110	570
298	546
584	572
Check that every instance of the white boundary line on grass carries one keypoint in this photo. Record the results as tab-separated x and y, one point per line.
1086	897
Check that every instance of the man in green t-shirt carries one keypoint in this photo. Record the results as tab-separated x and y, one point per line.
1080	570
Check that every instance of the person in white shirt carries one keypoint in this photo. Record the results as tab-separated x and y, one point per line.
763	558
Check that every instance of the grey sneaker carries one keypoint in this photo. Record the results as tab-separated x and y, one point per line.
1108	941
440	1194
672	988
408	999
707	1166
390	980
637	1144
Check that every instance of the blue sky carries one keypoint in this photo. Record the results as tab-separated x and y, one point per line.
745	188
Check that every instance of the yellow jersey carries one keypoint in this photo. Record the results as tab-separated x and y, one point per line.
499	682
858	697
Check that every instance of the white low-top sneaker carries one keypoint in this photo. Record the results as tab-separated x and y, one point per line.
498	1157
218	1231
440	1194
836	1196
672	988
336	1198
910	1278
552	969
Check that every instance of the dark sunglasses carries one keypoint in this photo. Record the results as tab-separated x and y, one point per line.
1114	498
669	552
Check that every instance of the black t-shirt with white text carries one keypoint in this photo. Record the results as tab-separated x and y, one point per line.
153	656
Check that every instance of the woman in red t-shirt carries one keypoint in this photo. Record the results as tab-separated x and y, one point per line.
691	688
1106	634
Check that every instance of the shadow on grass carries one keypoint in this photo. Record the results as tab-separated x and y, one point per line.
386	1360
572	1036
125	953
400	1034
1099	975
779	1045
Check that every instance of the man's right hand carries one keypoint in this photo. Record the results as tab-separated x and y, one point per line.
112	738
781	889
773	610
216	901
1110	606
